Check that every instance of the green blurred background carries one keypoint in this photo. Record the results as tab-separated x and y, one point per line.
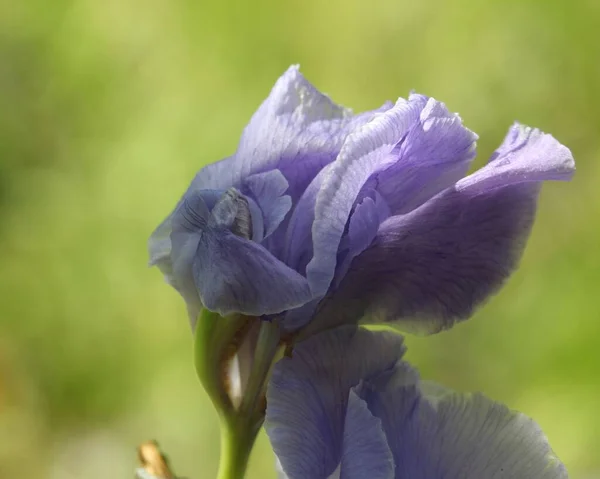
108	108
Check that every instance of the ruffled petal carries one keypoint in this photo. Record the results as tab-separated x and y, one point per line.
526	155
308	395
364	152
435	154
297	130
431	267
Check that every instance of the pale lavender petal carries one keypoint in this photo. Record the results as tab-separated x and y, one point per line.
526	155
364	152
297	130
308	395
431	267
435	154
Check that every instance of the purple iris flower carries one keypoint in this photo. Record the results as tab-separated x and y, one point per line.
333	217
346	406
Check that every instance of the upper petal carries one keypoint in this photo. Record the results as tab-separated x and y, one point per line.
433	266
364	152
526	155
308	395
435	154
297	130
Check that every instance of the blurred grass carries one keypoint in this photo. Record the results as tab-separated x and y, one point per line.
107	109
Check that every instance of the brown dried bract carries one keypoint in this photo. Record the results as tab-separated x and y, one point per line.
154	461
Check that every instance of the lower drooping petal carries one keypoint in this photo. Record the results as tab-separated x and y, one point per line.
365	451
321	427
456	436
236	275
216	265
308	396
431	267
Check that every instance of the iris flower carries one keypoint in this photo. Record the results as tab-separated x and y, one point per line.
323	220
346	406
327	217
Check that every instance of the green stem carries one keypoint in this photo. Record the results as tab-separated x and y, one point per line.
237	440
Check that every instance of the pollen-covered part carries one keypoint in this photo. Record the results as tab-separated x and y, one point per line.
232	210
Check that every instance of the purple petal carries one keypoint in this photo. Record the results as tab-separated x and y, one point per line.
233	274
159	243
216	265
435	154
268	189
364	152
298	248
453	436
526	155
159	248
433	266
297	130
308	396
365	452
362	229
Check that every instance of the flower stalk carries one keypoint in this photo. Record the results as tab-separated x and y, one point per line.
218	340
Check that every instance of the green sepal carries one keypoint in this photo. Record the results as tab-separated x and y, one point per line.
215	343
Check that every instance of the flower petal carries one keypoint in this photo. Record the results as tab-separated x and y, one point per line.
268	189
308	395
159	243
431	267
297	130
453	436
362	229
364	152
435	154
526	155
215	264
477	437
365	450
233	274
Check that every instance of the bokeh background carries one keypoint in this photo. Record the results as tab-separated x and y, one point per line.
108	108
